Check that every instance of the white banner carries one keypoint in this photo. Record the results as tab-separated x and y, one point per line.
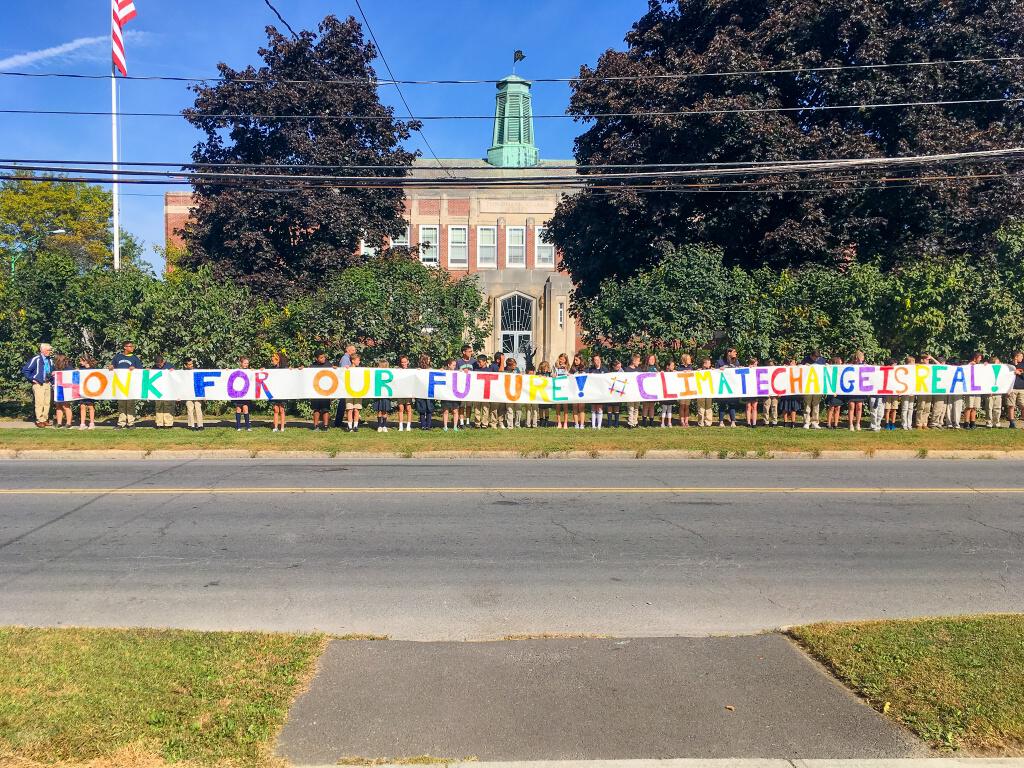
491	387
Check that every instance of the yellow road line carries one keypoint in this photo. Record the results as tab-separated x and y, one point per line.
558	490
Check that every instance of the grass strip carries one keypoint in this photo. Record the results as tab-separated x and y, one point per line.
714	441
143	697
958	683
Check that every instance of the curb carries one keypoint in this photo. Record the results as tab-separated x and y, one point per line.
8	454
922	762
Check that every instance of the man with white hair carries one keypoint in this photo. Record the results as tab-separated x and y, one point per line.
39	371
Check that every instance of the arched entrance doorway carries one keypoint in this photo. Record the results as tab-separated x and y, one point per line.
517	327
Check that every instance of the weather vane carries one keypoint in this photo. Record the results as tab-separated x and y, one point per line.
516	58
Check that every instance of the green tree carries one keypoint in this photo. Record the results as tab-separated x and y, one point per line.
54	215
396	305
607	233
282	238
681	299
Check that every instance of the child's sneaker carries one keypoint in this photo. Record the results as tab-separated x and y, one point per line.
445	429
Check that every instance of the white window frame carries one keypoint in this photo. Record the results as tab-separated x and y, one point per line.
402	242
462	263
540	243
509	247
481	262
436	260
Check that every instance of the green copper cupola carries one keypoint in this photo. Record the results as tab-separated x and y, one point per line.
513	145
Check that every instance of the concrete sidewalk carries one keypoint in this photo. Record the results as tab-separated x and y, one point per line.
582	699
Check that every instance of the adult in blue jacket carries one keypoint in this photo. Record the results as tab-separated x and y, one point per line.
39	371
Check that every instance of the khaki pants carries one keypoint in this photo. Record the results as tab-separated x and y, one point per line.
41	394
512	416
907	412
923	411
771	410
498	415
705	411
956	411
994	410
165	413
1014	401
481	415
939	406
632	414
531	415
194	409
812	409
126	413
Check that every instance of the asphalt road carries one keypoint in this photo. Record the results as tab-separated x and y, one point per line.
408	547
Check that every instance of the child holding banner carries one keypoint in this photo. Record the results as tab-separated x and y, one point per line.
450	407
561	409
194	408
855	402
665	407
753	404
353	407
907	404
578	409
62	410
382	405
86	407
242	409
278	361
685	364
789	406
597	409
425	406
647	409
834	401
705	405
321	406
404	403
513	411
544	411
164	408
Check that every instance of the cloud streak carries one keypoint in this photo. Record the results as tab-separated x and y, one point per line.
45	54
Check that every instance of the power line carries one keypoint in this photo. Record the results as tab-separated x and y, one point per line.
592	116
888	183
380	52
619	78
281	18
957	156
520	182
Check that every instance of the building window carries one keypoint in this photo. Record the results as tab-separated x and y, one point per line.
401	240
428	244
366	250
458	248
545	250
561	314
515	247
487	247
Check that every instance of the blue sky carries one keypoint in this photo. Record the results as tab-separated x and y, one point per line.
445	39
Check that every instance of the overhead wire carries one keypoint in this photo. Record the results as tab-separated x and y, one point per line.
380	52
589	78
550	116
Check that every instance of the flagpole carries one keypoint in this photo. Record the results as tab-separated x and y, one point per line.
115	186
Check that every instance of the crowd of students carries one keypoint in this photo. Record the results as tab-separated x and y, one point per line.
838	411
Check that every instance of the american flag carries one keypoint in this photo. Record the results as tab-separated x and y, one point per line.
124	11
